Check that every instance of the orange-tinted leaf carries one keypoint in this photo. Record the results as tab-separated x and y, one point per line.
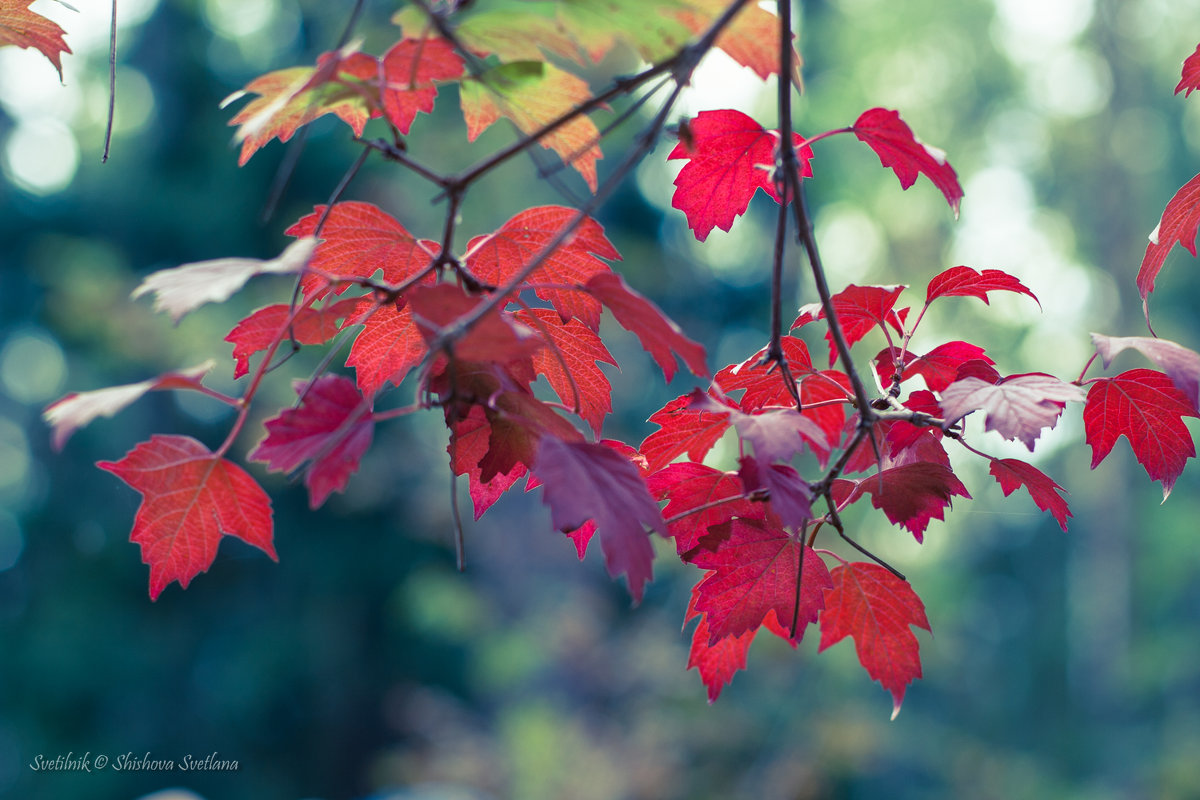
190	499
499	256
332	428
875	608
533	94
23	28
1148	409
70	413
893	141
763	382
256	332
651	27
682	429
290	98
388	346
659	335
570	362
859	309
751	39
496	337
359	240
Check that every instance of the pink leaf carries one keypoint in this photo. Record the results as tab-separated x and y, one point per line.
1018	407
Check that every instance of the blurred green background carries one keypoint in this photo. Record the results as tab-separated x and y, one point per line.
1061	666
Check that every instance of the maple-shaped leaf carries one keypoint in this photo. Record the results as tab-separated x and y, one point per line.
583	481
190	499
876	609
72	412
717	662
388	346
1148	409
185	288
893	141
966	282
859	309
499	256
1013	473
332	428
570	363
496	337
258	331
939	367
775	435
909	495
470	439
754	571
410	69
789	495
533	94
729	158
751	39
514	31
659	335
359	240
1189	78
22	27
1178	224
1018	407
651	27
682	429
1181	364
690	489
762	380
289	99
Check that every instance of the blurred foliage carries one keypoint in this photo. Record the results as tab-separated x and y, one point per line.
363	665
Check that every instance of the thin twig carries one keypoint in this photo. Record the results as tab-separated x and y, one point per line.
112	82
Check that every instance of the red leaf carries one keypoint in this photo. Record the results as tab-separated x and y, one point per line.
729	158
1190	77
74	411
910	495
584	481
875	608
570	363
688	486
681	430
498	257
660	336
1012	473
185	288
358	240
469	443
754	571
1178	224
822	387
496	337
332	428
291	98
190	499
939	367
966	282
717	662
388	346
410	69
1018	407
256	332
23	28
1145	407
751	39
763	382
893	141
1181	364
859	309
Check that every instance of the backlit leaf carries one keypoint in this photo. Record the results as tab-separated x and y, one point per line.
1178	225
1181	364
1013	473
893	141
966	282
22	27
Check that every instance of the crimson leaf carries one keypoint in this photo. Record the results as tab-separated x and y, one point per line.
893	141
1013	473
